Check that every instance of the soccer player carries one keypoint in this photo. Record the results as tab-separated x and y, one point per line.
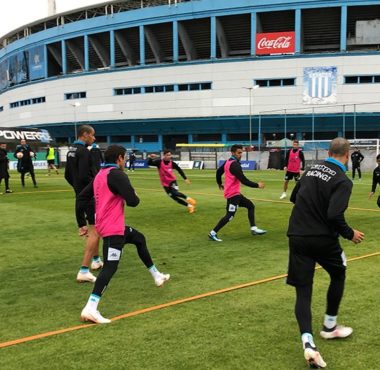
4	167
111	189
321	198
24	155
79	172
234	175
165	167
295	163
376	180
356	159
50	157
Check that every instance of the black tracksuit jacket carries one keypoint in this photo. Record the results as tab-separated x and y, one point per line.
321	198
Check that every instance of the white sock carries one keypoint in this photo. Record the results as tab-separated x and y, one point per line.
212	232
253	228
93	302
154	272
307	338
330	321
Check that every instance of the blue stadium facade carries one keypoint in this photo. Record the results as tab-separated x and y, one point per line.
150	74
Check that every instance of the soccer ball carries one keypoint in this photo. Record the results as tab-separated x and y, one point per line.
31	154
19	155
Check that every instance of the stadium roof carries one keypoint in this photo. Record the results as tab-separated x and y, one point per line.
87	12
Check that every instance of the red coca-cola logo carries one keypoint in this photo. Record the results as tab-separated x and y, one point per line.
280	42
275	43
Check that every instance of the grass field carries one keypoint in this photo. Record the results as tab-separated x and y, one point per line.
250	328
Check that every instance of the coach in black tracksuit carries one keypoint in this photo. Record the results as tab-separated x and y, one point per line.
321	198
376	180
356	159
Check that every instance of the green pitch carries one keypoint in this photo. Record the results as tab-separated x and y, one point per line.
250	328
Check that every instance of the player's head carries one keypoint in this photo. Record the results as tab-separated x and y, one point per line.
86	133
167	155
23	142
296	144
339	149
378	159
3	145
237	151
115	154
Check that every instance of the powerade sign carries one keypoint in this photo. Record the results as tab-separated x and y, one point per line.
17	134
245	165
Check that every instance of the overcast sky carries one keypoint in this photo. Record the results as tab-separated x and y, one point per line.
16	13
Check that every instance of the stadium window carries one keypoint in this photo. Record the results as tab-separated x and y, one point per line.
207	137
169	88
149	89
351	79
159	89
147	138
136	90
75	95
118	91
376	79
194	87
365	79
273	83
238	137
121	139
101	139
206	86
183	87
288	82
262	83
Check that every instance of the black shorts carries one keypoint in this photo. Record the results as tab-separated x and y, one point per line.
292	175
50	161
173	186
113	245
305	252
233	203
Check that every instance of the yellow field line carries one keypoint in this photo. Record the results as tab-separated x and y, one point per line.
161	306
262	200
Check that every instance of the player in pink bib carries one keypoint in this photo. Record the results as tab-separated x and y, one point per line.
111	189
233	177
294	163
165	167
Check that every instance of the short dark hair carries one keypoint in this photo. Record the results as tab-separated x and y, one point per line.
113	152
85	129
235	147
296	141
378	157
339	146
167	151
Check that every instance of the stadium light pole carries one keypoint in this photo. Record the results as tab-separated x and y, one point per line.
254	87
75	105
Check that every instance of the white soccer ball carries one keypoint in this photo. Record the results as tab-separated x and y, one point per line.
19	155
32	154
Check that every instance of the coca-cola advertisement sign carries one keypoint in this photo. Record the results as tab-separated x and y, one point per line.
275	43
